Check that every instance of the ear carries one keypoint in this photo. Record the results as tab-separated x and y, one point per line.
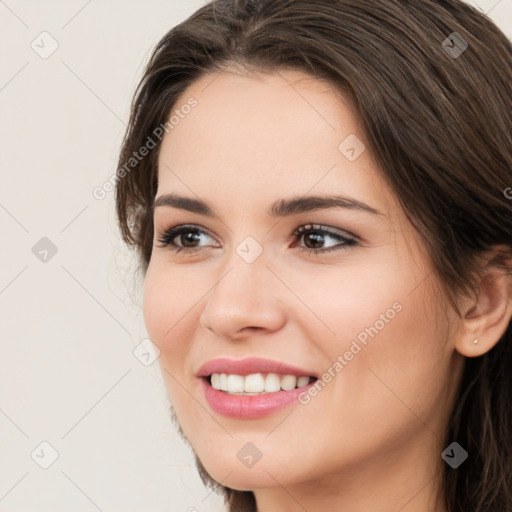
486	316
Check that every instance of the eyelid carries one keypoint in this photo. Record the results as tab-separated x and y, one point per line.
328	230
175	230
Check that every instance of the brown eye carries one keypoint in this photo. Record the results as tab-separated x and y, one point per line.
186	235
315	235
185	238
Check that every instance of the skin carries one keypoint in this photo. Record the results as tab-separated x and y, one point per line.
372	438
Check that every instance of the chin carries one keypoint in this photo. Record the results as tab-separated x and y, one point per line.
226	465
247	479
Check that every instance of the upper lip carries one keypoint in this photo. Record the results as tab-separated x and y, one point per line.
250	365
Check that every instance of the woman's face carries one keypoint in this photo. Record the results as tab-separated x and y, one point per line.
246	285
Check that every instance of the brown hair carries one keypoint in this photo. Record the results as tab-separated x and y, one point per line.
439	125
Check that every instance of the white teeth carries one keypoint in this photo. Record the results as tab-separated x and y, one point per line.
288	382
216	381
235	384
256	383
302	381
272	383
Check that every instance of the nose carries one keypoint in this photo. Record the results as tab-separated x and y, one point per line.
246	299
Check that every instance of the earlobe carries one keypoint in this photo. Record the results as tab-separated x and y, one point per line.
473	343
487	316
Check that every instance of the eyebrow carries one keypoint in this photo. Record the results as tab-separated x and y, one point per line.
280	208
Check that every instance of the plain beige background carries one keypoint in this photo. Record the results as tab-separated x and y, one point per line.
70	320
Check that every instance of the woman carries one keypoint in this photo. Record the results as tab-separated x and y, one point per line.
318	197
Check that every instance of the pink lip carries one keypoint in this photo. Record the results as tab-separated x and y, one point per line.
249	407
251	365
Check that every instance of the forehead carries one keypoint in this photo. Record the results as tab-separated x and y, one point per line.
278	133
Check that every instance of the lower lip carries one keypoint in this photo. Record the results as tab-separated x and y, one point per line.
249	407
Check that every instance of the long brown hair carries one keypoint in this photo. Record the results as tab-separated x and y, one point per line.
431	82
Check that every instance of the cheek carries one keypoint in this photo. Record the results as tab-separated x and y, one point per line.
389	339
343	303
392	367
154	298
170	308
165	302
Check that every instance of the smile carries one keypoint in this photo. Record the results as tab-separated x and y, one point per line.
248	405
257	383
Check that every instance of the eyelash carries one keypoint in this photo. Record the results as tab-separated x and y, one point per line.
171	233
